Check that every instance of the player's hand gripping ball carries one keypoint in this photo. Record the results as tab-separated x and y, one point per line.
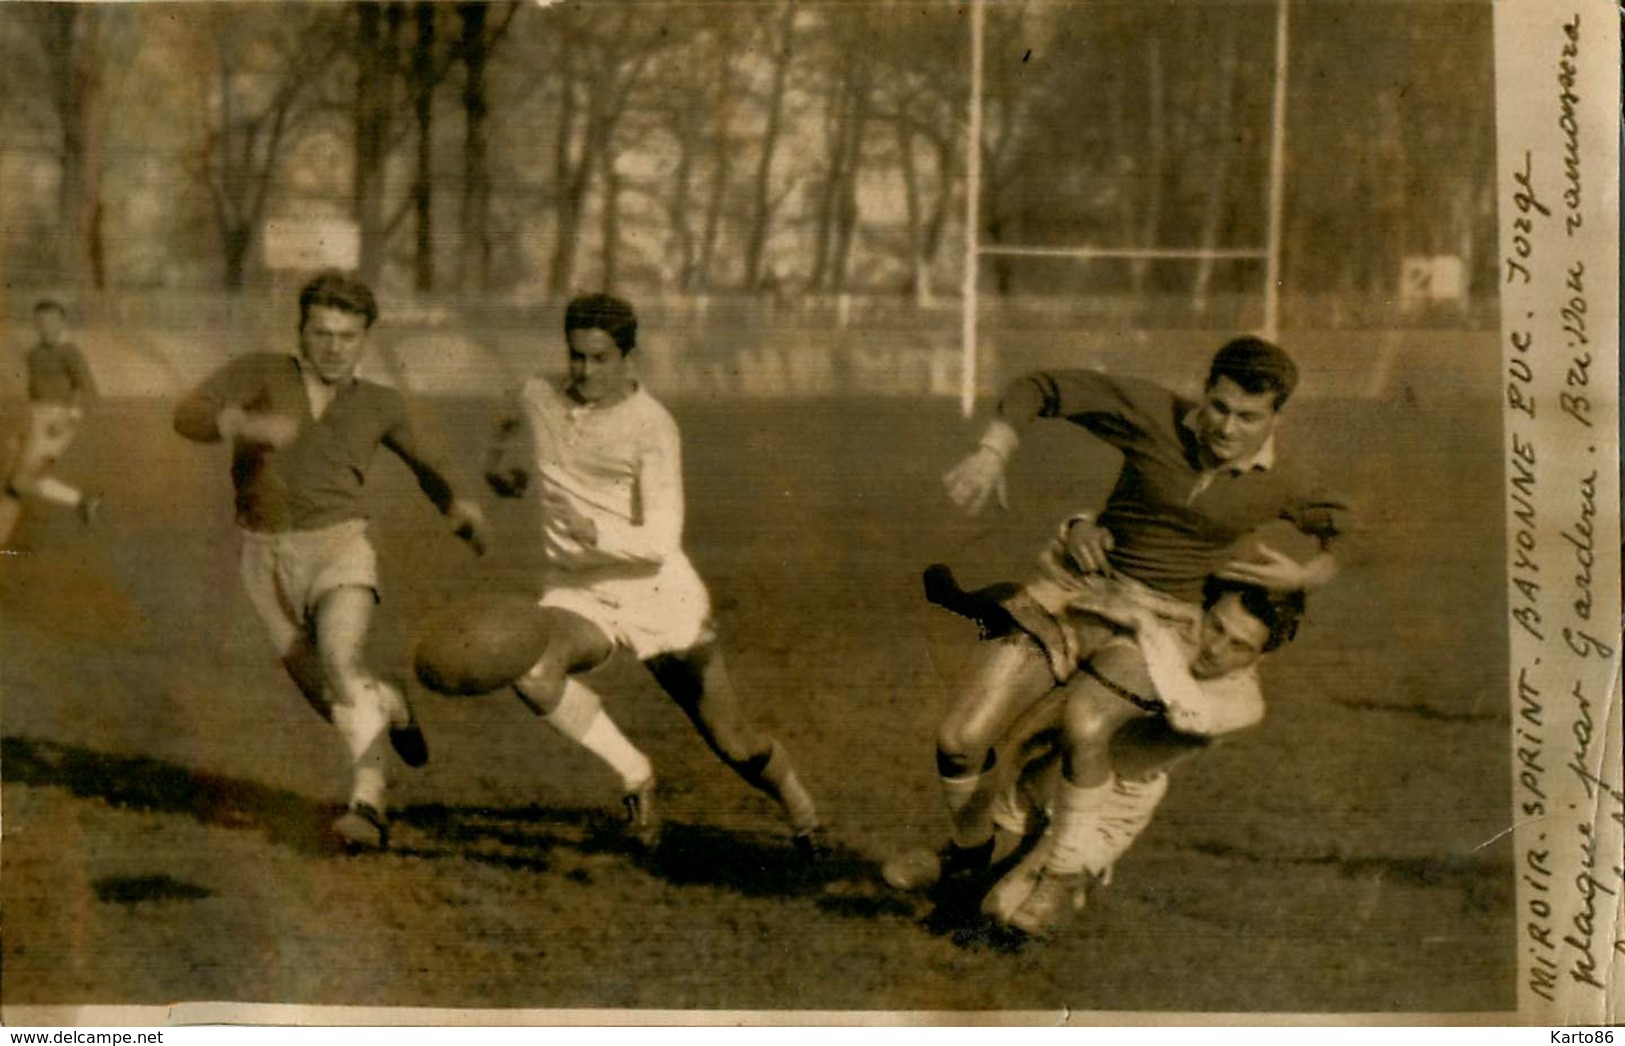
481	644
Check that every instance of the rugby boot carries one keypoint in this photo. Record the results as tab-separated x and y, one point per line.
1055	897
812	843
405	735
1011	891
363	827
642	820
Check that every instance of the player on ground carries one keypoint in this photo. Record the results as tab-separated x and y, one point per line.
1185	687
606	458
60	387
1196	478
304	431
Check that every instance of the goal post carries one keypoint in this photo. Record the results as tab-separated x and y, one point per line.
1269	253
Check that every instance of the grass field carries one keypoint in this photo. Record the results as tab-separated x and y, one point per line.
166	794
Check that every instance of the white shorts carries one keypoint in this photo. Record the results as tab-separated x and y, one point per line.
661	613
287	573
1067	612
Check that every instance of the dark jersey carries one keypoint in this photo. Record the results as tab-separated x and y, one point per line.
1174	520
317	479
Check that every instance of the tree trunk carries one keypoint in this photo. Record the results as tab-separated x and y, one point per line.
572	176
909	172
423	85
572	199
837	126
475	269
721	159
931	247
237	242
689	119
761	197
74	46
1153	178
377	26
610	218
847	210
1218	182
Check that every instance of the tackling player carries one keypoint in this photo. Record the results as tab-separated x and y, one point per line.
303	432
1183	687
60	386
606	458
1196	478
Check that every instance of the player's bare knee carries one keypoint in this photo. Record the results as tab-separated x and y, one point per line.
543	685
1087	726
965	743
957	759
740	746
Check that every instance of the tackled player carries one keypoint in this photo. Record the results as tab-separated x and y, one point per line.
1197	477
1149	692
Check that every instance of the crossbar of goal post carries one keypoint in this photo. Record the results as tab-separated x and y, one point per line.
974	251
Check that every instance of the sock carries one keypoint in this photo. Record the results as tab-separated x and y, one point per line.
1077	843
49	488
370	780
778	779
970	805
580	716
364	725
971	810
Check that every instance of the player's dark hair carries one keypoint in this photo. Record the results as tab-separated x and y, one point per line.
607	313
50	305
1257	366
335	290
1281	612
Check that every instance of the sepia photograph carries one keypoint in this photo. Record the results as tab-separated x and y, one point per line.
838	509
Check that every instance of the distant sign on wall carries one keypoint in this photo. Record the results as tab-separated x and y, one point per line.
304	244
1431	280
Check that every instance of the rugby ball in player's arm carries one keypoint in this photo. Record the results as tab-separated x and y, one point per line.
480	644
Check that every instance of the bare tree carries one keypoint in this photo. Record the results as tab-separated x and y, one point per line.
1008	102
782	49
424	77
1222	92
265	64
723	146
848	69
922	88
70	38
377	48
691	105
604	53
478	41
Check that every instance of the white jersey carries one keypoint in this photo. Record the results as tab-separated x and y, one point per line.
620	466
1208	707
1166	631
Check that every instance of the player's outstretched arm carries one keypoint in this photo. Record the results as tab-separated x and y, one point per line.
214	411
1279	572
1114	408
1323	514
979	476
1088	543
509	458
467	519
